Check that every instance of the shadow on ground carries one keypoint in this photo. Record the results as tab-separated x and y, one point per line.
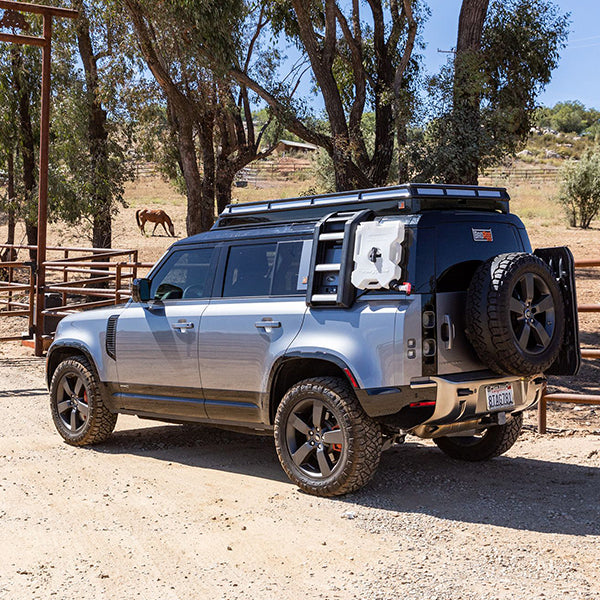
519	493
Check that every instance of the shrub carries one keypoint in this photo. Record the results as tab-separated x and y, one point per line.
580	189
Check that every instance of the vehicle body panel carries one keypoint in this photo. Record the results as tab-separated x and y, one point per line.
236	355
153	353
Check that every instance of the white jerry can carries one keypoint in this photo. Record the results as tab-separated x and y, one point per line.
377	254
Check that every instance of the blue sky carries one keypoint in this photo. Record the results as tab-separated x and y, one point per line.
578	74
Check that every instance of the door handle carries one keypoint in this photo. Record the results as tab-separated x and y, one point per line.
448	332
267	324
182	326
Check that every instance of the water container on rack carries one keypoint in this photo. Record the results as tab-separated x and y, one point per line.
378	254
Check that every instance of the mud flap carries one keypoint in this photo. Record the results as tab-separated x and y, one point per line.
561	263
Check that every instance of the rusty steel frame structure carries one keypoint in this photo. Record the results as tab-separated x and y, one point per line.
45	43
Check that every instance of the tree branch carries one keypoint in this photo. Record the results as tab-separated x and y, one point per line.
136	13
408	48
282	112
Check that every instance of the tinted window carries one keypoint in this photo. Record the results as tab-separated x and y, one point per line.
185	274
267	269
287	267
249	270
462	246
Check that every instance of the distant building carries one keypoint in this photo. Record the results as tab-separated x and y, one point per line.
285	147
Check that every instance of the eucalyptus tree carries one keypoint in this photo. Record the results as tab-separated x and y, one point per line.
92	124
360	59
91	72
20	68
8	150
505	56
210	117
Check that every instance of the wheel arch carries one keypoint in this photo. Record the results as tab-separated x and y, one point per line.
60	351
292	368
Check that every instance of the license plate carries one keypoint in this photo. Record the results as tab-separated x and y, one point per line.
499	397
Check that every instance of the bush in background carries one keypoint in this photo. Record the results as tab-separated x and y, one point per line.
580	189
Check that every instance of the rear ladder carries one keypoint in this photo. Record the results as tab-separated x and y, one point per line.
332	260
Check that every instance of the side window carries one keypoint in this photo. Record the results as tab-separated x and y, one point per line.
249	270
185	274
267	269
290	275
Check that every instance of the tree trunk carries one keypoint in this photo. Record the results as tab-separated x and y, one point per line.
97	137
199	189
402	137
223	183
467	93
10	254
27	152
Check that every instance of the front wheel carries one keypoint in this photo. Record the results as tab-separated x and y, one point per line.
77	406
326	443
492	442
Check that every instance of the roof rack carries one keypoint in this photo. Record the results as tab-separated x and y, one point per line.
402	199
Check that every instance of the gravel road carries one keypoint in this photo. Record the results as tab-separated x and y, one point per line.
176	512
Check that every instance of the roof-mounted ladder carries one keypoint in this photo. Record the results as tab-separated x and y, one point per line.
332	259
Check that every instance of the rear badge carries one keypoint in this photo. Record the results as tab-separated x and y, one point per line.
482	235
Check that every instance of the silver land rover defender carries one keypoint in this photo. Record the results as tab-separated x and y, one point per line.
340	323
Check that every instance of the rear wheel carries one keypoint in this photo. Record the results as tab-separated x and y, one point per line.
78	410
491	442
326	443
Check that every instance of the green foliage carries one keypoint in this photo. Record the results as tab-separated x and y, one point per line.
580	189
569	117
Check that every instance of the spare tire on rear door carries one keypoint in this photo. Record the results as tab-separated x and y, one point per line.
515	314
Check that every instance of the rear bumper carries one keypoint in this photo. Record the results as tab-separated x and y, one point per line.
461	401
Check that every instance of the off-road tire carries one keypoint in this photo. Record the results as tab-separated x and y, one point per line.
100	422
492	325
496	440
361	438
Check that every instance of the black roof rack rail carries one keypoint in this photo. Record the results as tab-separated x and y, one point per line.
401	199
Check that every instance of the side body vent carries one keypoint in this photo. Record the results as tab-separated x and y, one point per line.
111	336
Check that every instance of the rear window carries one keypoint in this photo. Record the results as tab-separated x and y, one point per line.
462	246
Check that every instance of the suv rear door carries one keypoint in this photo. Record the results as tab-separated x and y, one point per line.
157	342
258	308
465	241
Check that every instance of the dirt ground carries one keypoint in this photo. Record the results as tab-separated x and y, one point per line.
184	512
163	512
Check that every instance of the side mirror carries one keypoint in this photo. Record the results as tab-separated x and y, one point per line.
140	290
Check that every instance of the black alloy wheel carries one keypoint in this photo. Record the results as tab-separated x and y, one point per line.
484	445
77	403
515	314
72	405
314	438
326	443
532	314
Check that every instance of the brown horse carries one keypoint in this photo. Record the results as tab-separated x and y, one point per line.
156	216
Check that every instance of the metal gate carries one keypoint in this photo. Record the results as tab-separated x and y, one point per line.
77	279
